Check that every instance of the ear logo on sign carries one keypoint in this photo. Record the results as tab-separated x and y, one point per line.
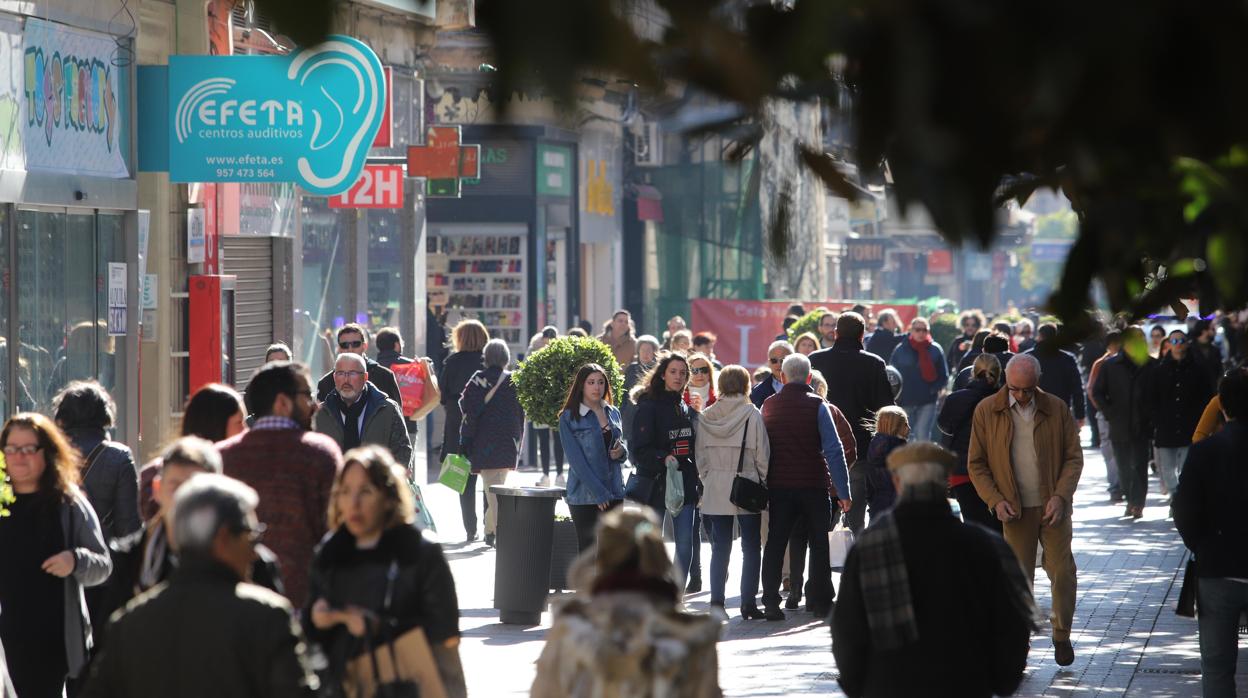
309	117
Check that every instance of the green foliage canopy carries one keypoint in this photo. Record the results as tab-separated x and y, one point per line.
807	323
945	329
544	378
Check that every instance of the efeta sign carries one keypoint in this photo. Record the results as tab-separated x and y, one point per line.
308	117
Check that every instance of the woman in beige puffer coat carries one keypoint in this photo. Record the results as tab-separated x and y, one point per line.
731	433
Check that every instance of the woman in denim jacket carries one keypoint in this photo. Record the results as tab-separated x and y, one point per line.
590	429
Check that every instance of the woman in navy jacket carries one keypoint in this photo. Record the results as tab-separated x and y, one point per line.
592	436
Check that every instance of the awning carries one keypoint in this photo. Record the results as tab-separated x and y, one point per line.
649	203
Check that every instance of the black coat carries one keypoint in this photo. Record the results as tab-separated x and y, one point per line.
111	482
458	369
424	592
378	375
954	356
957	415
1121	392
973	640
633	374
1060	377
1209	357
204	633
661	427
883	342
1210	502
857	385
963	378
1177	394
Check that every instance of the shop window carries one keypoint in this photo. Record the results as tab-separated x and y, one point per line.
325	299
62	286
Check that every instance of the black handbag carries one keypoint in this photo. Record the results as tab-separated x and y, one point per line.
399	687
640	488
747	494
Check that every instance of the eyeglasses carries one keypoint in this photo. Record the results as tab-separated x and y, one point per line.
699	370
351	345
348	374
1021	391
23	450
1176	341
254	535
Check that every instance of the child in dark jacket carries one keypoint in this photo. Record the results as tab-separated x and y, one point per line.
891	429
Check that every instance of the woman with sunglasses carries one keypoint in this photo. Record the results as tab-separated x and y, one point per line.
1178	391
591	430
700	392
663	433
53	547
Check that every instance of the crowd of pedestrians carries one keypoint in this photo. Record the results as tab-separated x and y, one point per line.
114	575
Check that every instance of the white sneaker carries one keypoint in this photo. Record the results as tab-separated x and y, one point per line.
561	481
544	482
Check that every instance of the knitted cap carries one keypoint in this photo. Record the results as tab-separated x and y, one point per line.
922	452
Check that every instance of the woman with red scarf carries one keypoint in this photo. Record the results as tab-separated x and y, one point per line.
700	392
921	363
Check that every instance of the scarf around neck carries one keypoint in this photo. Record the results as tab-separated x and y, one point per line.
927	369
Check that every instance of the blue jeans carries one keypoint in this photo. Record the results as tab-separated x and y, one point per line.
922	420
1220	602
1169	465
721	554
683	527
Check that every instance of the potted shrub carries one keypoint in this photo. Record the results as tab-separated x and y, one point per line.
543	379
807	323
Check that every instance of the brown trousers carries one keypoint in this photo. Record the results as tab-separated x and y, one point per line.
1022	535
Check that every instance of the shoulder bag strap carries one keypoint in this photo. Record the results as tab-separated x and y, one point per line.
384	621
501	379
741	455
92	457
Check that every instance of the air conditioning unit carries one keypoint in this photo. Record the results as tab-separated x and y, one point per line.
647	145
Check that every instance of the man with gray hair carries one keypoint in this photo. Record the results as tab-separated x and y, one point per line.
922	591
775	356
358	413
207	631
807	464
1025	461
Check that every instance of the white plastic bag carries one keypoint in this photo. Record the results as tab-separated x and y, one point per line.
674	497
840	540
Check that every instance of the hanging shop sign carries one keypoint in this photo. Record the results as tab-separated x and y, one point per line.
379	186
554	170
72	107
864	253
308	117
385	133
939	262
444	161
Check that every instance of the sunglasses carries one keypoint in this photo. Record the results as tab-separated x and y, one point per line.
351	345
699	370
1176	341
775	360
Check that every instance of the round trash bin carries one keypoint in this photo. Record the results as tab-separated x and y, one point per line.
526	522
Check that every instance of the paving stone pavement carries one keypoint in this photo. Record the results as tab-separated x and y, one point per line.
1128	641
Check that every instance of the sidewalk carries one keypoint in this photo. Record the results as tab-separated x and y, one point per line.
1128	641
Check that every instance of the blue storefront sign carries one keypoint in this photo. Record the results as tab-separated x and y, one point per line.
309	117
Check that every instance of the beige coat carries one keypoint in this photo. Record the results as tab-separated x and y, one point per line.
624	348
717	446
1058	452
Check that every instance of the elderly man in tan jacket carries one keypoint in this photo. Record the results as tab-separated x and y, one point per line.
1025	460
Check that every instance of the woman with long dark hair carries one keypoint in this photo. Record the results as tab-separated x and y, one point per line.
663	433
468	341
592	433
215	412
53	547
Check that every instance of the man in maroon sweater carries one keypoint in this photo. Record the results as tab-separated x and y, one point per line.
807	462
289	466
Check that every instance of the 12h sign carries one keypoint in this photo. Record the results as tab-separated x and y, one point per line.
379	186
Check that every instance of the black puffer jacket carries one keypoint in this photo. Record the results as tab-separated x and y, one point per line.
1177	394
957	415
111	482
344	575
661	427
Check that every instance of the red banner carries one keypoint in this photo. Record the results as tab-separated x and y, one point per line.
744	329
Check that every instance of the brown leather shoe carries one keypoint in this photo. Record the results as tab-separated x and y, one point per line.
1063	652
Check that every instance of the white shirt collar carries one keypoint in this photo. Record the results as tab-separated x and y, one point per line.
1028	408
585	409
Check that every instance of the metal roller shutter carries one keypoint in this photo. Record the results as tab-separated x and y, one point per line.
250	260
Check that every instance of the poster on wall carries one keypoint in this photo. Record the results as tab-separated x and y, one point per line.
72	107
116	298
196	236
11	101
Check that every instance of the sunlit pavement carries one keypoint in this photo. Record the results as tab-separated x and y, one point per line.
1128	641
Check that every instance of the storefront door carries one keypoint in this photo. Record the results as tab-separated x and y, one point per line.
60	262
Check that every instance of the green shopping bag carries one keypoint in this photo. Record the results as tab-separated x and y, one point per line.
455	472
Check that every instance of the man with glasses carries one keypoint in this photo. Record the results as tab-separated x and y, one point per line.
1025	461
1178	391
357	413
1121	392
775	357
242	637
291	467
353	339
